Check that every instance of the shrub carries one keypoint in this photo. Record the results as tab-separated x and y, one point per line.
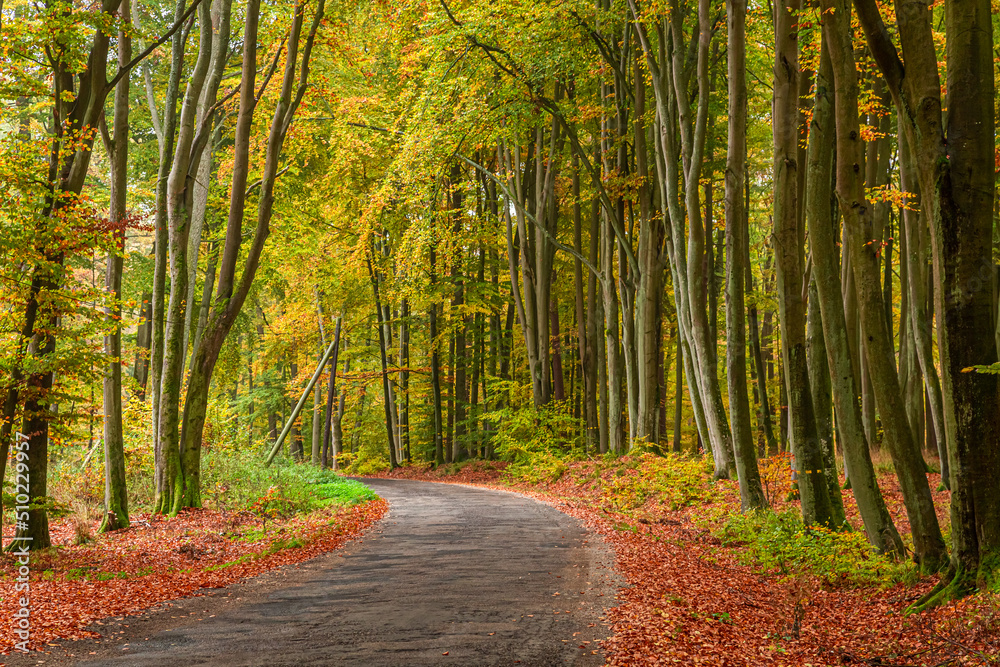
536	441
779	541
671	481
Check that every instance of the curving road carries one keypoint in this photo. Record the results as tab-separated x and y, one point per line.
452	575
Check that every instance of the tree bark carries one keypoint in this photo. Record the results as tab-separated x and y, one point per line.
436	359
737	234
817	506
115	493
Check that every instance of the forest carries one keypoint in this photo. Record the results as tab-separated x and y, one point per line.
249	247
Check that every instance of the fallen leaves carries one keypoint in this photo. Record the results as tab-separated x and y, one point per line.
158	559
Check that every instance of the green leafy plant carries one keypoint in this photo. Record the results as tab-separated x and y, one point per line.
670	482
780	541
536	441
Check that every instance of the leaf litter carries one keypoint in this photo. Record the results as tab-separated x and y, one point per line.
159	559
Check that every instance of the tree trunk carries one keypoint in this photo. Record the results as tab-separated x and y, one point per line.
678	393
296	443
231	294
764	416
404	375
820	383
317	416
203	82
929	549
915	235
966	260
648	315
817	506
436	360
737	237
167	136
115	493
143	336
382	343
558	380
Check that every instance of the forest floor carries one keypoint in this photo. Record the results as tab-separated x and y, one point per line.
692	598
158	559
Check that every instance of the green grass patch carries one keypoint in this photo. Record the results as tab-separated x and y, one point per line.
342	491
252	535
222	566
237	481
90	574
285	543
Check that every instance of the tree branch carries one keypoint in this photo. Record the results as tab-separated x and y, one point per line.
880	43
122	71
552	239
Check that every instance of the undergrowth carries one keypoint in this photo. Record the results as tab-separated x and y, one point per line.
233	480
779	541
666	482
236	481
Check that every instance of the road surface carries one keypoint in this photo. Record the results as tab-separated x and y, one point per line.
452	575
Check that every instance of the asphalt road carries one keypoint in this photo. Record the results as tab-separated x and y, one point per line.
452	575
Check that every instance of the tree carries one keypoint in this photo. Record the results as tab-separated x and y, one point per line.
929	548
751	493
116	146
817	506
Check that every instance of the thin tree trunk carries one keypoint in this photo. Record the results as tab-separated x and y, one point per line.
436	361
764	416
143	337
558	380
678	393
382	343
328	430
296	442
737	237
404	375
317	445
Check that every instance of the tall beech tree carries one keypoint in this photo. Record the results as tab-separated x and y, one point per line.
820	220
116	146
817	506
929	548
232	291
737	232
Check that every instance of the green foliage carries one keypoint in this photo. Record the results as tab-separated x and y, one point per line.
235	481
540	468
536	441
53	507
222	566
370	458
780	541
670	481
285	543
